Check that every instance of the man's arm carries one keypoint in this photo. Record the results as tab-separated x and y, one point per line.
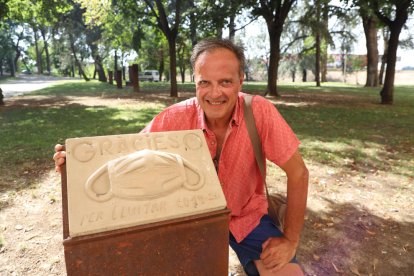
279	251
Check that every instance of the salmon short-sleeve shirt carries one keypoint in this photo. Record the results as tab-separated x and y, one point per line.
238	172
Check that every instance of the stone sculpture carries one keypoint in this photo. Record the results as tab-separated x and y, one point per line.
142	175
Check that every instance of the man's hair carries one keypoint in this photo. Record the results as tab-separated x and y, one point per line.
210	44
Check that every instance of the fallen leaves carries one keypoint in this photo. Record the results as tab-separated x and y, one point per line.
336	268
355	270
406	247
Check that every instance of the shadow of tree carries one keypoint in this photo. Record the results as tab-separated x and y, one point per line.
349	240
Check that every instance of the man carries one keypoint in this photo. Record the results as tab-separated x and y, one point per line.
218	110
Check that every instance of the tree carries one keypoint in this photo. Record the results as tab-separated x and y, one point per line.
274	13
74	27
170	31
370	23
385	39
394	14
41	15
3	12
3	9
6	45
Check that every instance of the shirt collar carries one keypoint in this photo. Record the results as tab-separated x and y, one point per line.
235	119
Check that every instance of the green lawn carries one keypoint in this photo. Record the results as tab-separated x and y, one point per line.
338	124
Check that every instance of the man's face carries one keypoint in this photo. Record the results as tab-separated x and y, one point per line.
218	82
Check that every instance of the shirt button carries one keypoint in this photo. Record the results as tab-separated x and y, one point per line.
213	143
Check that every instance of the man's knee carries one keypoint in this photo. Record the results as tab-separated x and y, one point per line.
290	269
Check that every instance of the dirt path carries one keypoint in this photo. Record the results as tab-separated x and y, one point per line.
358	223
28	83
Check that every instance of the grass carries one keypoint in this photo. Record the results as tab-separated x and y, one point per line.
340	125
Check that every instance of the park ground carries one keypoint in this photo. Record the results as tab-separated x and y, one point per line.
360	155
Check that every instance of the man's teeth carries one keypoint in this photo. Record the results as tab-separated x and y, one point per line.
215	103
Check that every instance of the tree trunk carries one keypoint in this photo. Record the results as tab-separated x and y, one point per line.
99	68
181	60
116	61
318	38
324	52
193	33
78	64
395	26
43	32
12	67
161	64
182	72
232	24
324	63
171	35
387	91
274	36
1	97
38	55
16	58
17	50
318	59
386	37
370	30
173	67
275	16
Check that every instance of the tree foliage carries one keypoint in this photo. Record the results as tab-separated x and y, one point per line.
159	34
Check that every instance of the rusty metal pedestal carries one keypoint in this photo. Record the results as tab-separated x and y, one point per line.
193	245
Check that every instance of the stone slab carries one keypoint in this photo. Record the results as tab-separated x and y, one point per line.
119	181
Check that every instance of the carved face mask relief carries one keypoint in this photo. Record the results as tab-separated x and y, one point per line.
143	175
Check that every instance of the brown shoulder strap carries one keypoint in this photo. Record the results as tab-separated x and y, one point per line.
254	136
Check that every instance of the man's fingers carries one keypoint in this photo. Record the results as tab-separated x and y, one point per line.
264	245
61	155
58	147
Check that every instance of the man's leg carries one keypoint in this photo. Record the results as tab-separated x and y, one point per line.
291	269
248	251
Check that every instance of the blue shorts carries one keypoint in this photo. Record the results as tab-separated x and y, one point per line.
249	249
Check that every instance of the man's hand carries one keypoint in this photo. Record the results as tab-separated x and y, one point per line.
59	157
277	252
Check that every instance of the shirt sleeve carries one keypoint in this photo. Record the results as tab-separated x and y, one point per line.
279	142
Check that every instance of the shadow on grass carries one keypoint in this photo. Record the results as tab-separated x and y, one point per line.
348	240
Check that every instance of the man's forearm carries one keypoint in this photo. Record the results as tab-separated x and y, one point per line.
297	191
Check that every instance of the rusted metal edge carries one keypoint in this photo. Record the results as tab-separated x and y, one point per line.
117	232
65	216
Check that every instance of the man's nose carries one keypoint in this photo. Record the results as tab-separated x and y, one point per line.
216	91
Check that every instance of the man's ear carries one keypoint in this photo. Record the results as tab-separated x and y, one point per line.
241	79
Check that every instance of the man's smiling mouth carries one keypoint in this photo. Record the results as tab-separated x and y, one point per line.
216	102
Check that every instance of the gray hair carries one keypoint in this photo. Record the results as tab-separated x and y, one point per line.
212	43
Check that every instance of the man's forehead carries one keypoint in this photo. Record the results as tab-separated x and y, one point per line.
215	51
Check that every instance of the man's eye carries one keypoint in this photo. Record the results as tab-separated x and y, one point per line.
203	83
226	83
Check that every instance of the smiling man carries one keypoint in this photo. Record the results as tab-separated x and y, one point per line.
217	109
